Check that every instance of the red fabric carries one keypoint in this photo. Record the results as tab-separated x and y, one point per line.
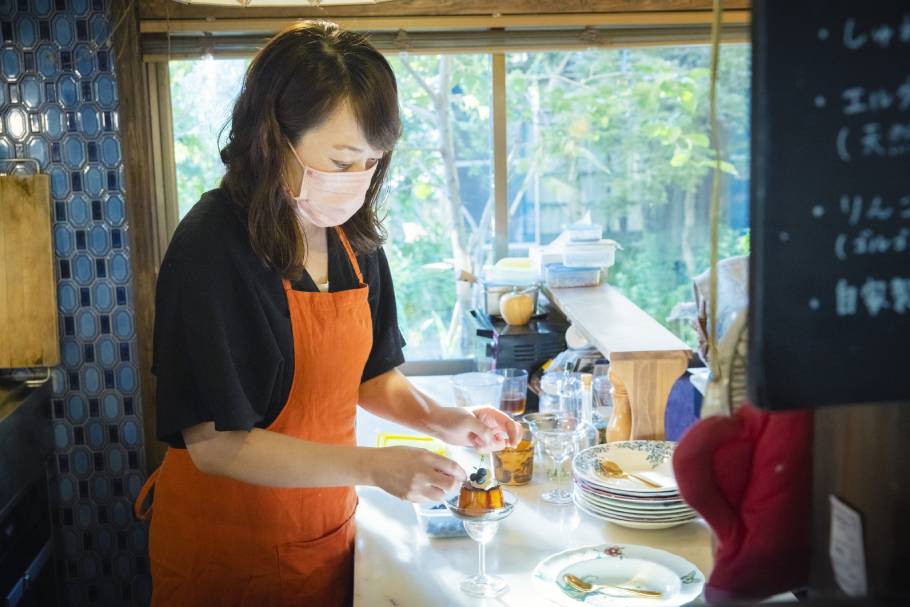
750	477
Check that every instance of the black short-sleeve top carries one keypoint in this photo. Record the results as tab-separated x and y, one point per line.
223	347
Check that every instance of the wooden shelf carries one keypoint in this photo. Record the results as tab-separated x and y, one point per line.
645	358
615	325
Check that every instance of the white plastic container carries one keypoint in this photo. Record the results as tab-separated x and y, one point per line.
542	256
585	232
561	277
600	254
515	274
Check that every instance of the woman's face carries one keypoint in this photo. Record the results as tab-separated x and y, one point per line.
337	145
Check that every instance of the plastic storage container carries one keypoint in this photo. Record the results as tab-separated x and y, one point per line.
511	270
585	232
599	254
435	520
542	256
560	277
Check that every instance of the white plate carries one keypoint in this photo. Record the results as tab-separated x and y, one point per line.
656	514
608	563
640	504
657	496
625	515
629	573
611	499
650	515
622	522
650	459
622	517
656	500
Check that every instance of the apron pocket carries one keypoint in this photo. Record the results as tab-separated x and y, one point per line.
318	572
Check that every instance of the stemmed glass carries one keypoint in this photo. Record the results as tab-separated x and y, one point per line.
558	434
482	527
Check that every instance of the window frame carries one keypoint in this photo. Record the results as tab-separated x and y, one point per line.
652	29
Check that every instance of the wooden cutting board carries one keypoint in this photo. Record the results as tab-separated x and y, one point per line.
28	293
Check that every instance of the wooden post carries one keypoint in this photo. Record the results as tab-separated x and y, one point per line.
620	424
140	204
647	378
500	160
860	457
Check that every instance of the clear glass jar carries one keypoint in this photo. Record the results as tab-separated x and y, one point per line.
560	392
602	385
601	421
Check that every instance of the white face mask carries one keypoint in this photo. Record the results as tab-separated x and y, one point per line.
329	199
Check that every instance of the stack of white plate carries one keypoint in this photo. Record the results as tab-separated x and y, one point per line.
629	501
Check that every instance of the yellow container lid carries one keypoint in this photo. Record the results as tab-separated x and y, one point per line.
385	439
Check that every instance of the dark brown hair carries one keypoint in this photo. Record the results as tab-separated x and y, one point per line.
293	84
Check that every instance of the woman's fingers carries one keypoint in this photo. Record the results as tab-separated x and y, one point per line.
447	466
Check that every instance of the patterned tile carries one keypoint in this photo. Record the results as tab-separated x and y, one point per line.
58	105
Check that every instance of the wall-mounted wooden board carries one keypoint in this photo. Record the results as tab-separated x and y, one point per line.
28	287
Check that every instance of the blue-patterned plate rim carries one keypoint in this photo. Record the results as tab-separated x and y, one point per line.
657	454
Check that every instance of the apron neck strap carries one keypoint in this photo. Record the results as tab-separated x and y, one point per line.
347	247
351	257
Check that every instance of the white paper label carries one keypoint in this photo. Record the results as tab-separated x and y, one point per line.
848	556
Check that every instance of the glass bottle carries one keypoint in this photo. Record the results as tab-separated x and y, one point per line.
588	436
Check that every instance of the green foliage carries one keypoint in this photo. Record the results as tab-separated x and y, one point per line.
620	134
202	95
623	135
653	277
625	127
422	229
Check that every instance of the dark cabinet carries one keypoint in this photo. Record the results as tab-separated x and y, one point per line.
26	548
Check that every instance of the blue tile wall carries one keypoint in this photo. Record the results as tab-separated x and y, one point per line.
58	105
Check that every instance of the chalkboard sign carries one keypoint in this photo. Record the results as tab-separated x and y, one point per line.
830	268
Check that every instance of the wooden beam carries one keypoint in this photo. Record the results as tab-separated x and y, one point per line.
163	9
500	160
163	159
267	25
160	48
448	22
141	210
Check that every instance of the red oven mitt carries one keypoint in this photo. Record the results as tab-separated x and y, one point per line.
750	476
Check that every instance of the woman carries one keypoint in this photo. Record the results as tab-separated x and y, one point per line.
275	317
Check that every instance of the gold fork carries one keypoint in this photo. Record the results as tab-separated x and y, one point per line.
613	470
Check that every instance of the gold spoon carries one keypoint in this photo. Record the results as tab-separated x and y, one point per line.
613	470
579	584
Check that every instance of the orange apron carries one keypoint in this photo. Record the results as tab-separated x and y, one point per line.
217	541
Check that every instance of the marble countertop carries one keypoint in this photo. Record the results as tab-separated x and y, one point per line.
396	564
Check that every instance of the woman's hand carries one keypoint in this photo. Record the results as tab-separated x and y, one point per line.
416	475
484	428
393	397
